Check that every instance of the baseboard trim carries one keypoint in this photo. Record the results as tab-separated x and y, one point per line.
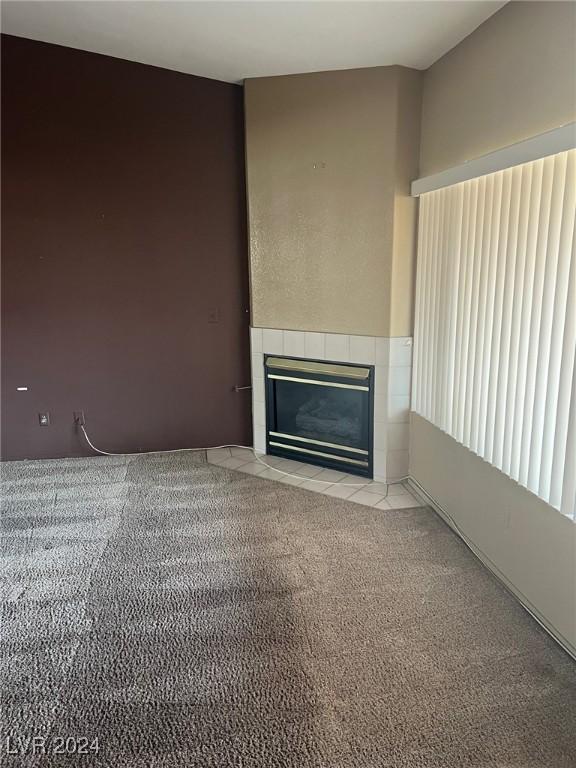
425	497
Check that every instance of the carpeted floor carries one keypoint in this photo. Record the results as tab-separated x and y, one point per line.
188	615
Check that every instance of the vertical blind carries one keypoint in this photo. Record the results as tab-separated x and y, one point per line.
495	330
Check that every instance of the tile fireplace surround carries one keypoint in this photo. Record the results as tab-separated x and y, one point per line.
392	358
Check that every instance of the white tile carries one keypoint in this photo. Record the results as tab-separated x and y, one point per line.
258	390
399	408
365	498
396	489
259	413
356	479
404	501
293	466
397	437
315	345
399	380
363	349
217	454
260	439
270	474
288	465
380	464
257	366
337	347
256	339
309	470
381	381
383	504
242	453
312	485
396	465
380	436
380	407
287	469
289	480
252	468
294	343
230	462
401	351
380	488
340	491
382	351
355	485
277	461
330	476
272	341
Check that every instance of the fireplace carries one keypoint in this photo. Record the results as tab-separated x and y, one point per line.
320	412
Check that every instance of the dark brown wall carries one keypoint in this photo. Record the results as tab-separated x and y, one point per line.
123	231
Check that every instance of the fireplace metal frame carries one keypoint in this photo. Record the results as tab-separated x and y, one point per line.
320	373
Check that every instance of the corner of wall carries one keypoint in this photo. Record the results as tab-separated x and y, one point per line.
408	120
512	78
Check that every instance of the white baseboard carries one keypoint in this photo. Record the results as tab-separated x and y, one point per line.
420	493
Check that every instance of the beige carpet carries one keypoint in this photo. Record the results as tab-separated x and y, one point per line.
188	615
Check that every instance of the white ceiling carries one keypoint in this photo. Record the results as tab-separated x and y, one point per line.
234	40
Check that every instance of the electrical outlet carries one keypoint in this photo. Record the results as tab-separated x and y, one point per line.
79	419
44	419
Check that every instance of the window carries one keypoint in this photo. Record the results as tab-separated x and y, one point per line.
495	334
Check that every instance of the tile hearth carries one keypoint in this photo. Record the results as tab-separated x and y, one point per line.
312	478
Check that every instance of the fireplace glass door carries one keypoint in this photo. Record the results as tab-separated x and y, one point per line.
320	413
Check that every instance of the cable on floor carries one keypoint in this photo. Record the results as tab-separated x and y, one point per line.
233	445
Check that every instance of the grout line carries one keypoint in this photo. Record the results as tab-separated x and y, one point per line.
304	480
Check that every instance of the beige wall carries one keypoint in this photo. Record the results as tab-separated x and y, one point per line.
404	241
530	543
329	157
512	78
